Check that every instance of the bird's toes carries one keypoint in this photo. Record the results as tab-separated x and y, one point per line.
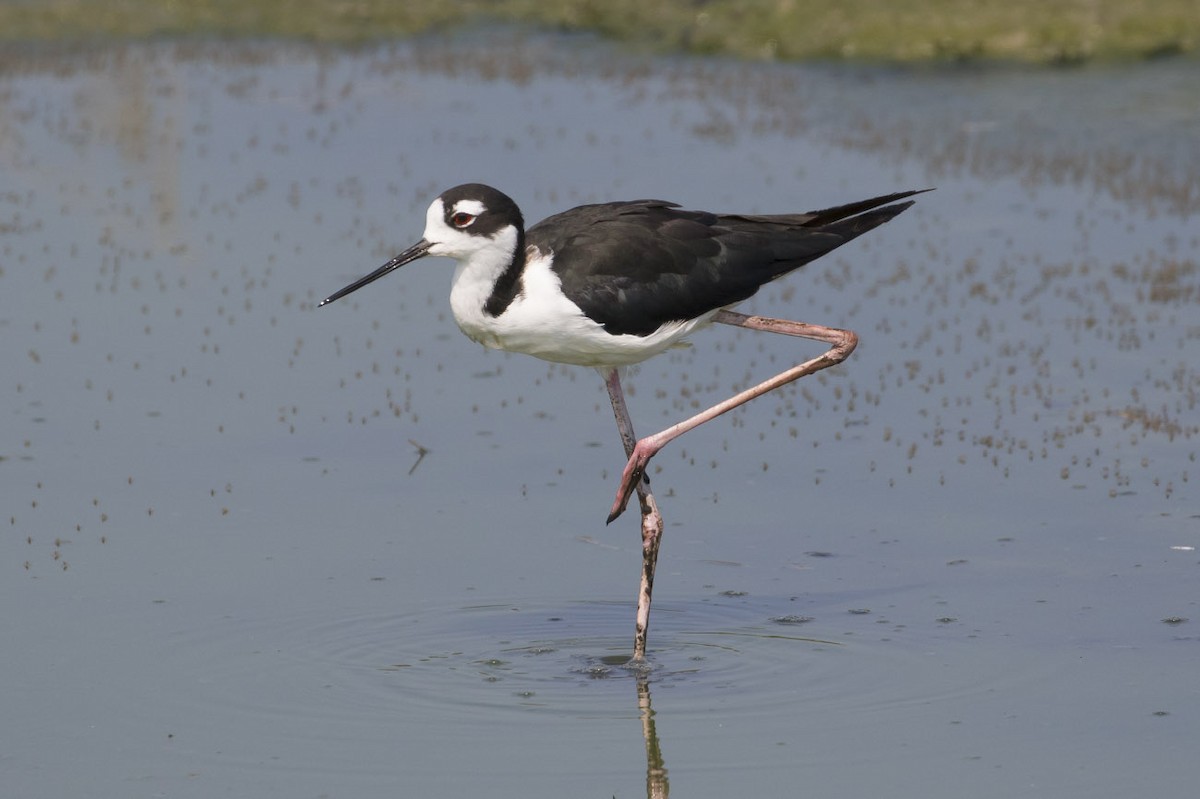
633	473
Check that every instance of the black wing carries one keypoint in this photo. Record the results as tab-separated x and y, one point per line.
633	266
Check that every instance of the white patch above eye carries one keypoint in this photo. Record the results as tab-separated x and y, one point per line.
472	207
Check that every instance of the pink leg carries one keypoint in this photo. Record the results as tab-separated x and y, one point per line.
652	522
842	343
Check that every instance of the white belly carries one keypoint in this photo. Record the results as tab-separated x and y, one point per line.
544	323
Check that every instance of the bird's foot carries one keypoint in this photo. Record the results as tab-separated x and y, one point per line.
635	471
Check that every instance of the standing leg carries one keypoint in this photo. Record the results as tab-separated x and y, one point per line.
652	522
842	343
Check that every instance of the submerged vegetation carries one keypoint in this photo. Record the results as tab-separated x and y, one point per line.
1031	31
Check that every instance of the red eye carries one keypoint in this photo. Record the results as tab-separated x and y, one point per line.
462	219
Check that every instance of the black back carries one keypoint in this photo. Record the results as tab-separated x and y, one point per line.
633	266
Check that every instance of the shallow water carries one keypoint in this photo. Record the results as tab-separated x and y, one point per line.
259	549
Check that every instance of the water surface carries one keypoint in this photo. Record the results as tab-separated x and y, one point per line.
259	549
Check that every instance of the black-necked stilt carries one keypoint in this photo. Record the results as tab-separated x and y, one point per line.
613	284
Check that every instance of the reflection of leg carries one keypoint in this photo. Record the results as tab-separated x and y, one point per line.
842	343
657	786
652	522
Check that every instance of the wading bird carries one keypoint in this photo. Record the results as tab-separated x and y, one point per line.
613	284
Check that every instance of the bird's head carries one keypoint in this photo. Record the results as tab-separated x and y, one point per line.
466	222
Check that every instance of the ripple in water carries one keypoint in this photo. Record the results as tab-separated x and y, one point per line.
740	655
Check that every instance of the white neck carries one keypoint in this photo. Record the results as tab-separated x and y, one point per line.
475	280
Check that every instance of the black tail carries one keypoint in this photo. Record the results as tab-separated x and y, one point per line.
844	212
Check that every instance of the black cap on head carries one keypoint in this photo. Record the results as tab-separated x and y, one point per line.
501	210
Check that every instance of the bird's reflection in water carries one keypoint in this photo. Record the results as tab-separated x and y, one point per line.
657	786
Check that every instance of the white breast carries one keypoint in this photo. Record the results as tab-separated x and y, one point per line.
542	322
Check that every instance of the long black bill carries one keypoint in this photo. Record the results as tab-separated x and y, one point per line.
414	252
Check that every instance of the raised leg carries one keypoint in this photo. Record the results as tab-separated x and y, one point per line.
652	522
842	343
